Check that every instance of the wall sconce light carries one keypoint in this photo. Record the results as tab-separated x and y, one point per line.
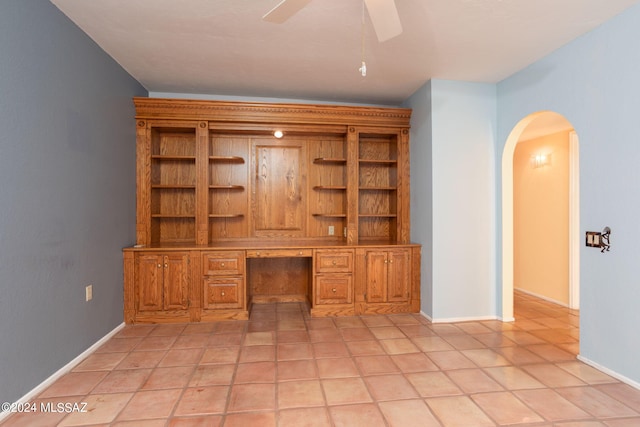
278	134
540	160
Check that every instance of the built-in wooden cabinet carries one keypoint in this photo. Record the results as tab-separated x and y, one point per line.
388	279
161	284
333	282
248	210
223	281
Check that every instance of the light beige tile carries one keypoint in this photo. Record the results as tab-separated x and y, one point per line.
458	411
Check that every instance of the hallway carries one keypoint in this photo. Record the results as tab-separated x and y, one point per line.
283	368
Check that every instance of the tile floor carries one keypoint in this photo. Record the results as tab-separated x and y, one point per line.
286	369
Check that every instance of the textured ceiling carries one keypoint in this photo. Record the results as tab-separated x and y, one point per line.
223	47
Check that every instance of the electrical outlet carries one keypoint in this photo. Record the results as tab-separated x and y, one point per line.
331	230
88	293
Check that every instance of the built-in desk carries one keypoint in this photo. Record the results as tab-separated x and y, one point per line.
192	283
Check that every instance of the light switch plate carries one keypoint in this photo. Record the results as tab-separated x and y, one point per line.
593	239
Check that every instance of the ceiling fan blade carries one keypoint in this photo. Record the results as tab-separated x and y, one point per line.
284	10
385	19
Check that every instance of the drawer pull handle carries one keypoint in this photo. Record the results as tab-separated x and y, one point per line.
222	265
333	262
334	290
222	293
257	253
300	253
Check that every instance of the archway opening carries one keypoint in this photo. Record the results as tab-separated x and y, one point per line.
537	125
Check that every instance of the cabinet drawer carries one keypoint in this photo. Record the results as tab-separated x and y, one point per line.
278	253
333	261
225	263
223	292
334	289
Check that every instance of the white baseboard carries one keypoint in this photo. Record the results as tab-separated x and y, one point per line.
60	372
542	297
464	319
458	319
609	372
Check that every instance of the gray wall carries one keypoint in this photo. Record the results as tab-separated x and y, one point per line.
67	199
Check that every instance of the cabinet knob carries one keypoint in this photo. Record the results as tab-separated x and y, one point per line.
222	293
159	265
166	266
390	261
334	290
333	262
300	253
222	265
386	261
258	253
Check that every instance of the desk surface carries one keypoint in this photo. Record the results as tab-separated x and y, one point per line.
265	244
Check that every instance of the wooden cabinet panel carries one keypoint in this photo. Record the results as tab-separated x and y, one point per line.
376	276
176	284
334	289
279	199
223	263
223	292
399	276
149	275
329	261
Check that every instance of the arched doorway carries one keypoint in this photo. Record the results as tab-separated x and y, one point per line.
543	121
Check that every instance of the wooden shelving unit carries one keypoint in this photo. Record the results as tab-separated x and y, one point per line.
216	188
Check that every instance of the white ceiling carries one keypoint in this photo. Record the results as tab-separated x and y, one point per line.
223	47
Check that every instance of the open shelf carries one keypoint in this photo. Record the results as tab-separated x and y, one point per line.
173	186
329	187
226	187
228	159
380	162
323	215
329	160
171	157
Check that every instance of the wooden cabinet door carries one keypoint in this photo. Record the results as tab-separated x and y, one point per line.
149	280
176	283
398	276
376	276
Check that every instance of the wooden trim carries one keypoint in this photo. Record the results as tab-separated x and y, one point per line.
256	112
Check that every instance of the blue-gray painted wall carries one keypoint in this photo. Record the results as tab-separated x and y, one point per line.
421	148
67	193
594	83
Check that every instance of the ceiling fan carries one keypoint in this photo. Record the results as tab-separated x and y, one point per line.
383	14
